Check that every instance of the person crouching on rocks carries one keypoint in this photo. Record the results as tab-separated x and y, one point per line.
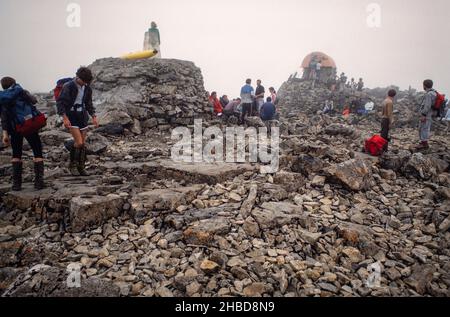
12	98
75	105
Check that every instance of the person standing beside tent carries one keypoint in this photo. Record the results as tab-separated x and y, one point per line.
153	40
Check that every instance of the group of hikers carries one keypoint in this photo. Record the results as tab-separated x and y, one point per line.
19	121
20	118
251	103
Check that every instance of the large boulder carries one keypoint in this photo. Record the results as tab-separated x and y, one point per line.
168	90
394	161
90	212
354	174
419	166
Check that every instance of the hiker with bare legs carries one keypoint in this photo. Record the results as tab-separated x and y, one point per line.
75	105
387	115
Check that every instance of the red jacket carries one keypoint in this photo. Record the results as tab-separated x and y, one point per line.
216	104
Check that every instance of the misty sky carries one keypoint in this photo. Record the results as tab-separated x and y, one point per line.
231	40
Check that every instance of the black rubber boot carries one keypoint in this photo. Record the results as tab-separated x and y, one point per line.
17	176
82	162
39	175
74	158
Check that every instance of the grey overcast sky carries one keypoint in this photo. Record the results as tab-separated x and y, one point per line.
233	39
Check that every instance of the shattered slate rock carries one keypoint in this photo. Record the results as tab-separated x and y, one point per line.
89	212
355	174
46	281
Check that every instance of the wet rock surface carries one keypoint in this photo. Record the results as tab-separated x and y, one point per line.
142	225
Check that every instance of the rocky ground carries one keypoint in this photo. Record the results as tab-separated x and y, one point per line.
142	225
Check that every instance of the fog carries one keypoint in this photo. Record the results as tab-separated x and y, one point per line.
231	40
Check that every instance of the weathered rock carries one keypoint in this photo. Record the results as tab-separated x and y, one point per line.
209	267
355	174
169	90
421	277
395	161
92	212
202	173
46	281
419	166
277	214
203	232
163	200
340	129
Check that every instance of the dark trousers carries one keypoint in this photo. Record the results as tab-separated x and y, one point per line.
246	111
385	127
33	140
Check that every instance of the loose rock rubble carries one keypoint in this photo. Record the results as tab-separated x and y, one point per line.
142	225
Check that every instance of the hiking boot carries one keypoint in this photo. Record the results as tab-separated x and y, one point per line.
82	162
74	157
17	176
39	175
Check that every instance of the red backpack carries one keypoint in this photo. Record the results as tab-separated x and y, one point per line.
59	86
440	102
376	145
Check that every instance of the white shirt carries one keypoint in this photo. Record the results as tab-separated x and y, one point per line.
80	96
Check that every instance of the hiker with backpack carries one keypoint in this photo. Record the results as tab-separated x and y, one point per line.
432	103
387	114
75	105
20	119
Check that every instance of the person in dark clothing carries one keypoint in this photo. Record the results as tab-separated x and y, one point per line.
259	95
224	101
12	96
75	105
268	110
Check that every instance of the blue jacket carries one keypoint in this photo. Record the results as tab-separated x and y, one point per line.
268	111
10	99
246	94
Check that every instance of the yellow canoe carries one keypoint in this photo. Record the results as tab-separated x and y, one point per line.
140	55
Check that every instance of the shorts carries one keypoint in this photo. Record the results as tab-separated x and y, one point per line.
78	119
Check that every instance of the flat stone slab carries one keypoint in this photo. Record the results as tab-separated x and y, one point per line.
163	199
27	198
90	212
203	173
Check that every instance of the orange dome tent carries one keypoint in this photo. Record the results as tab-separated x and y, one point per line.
328	68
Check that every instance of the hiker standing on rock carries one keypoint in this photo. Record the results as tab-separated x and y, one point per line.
260	92
247	95
387	114
426	114
13	101
75	105
153	39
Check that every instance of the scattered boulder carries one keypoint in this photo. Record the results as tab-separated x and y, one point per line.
355	174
